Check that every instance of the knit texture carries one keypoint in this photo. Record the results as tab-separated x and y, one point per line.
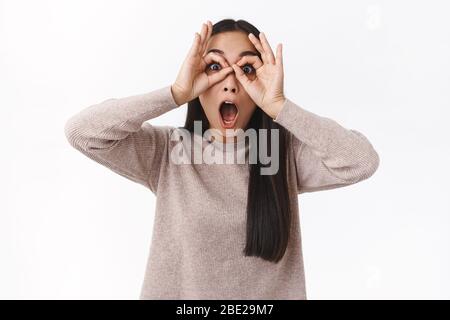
199	228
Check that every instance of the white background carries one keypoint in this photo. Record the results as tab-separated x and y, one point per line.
71	229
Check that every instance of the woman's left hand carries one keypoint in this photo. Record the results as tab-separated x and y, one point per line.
266	88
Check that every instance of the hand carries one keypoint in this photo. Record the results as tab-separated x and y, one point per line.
266	89
192	78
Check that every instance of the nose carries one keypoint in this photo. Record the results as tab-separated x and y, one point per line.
230	83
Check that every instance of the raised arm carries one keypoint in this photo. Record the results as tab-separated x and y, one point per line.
327	154
114	133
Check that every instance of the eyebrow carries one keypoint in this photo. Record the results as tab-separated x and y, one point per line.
243	53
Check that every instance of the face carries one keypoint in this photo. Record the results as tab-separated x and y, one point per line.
231	46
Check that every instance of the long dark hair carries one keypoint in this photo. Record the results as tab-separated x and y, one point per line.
268	210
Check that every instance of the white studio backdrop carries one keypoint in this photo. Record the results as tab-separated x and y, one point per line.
72	229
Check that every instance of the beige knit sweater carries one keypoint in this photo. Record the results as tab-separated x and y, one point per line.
200	216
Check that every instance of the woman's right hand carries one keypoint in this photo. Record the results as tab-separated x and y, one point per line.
193	78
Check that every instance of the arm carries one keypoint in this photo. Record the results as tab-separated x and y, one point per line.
114	133
327	155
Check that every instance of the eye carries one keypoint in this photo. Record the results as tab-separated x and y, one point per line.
214	66
248	68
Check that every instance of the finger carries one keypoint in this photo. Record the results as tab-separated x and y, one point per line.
214	57
195	45
203	32
279	57
267	48
216	77
255	61
258	46
208	35
240	75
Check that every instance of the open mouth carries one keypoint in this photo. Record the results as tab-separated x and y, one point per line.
228	114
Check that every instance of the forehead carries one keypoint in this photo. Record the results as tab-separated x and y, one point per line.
232	43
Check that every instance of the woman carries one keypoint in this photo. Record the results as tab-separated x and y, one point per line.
224	230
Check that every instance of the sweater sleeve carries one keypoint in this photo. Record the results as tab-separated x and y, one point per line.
114	133
327	155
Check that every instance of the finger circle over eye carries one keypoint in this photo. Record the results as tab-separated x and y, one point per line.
255	61
214	57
